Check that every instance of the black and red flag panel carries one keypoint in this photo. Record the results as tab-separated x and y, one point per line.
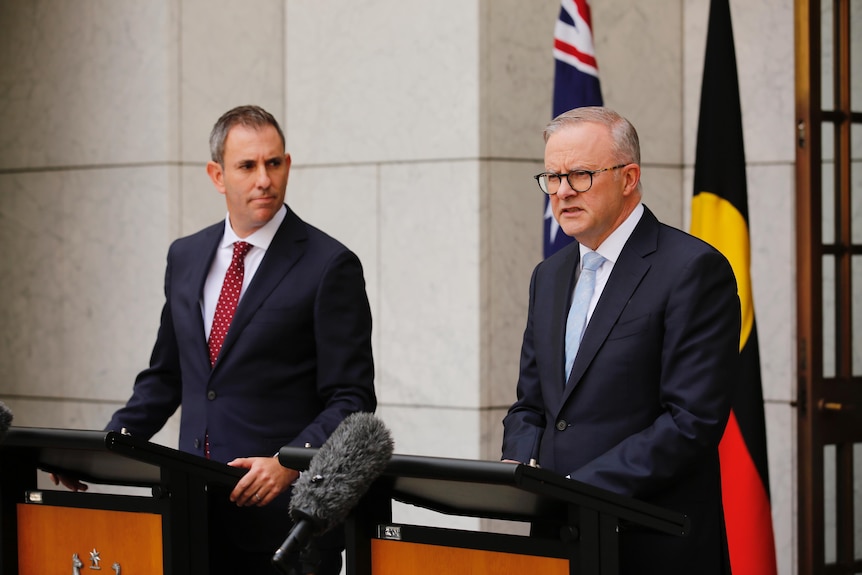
720	217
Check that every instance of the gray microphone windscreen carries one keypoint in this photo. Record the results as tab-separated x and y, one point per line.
341	471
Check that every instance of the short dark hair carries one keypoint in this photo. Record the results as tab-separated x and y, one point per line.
249	116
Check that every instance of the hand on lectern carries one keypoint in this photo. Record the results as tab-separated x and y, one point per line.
266	479
68	482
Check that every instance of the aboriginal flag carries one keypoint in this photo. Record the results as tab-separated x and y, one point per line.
720	217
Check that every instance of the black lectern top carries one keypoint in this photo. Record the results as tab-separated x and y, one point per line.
109	457
497	490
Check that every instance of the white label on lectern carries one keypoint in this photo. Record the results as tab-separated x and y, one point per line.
392	532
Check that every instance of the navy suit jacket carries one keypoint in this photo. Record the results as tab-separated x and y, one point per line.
649	394
296	360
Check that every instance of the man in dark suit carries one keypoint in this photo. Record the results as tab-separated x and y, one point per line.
640	401
296	358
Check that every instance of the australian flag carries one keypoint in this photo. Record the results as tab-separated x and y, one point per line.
576	84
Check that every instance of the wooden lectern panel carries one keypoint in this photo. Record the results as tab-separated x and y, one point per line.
399	557
50	538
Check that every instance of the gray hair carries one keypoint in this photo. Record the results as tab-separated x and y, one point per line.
625	144
248	116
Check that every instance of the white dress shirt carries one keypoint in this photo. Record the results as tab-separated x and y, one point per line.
259	240
610	250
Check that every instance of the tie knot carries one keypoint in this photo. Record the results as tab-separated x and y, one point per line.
240	249
592	261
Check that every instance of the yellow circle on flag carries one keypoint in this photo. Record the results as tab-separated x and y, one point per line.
717	221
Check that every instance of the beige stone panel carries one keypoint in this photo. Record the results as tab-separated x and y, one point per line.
61	413
772	229
513	225
430	297
87	83
492	430
764	45
82	300
80	413
781	447
695	17
201	205
231	54
663	193
398	81
343	201
517	76
432	431
639	53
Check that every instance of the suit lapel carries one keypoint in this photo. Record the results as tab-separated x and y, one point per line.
627	274
287	247
192	276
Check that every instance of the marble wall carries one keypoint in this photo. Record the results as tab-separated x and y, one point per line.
414	128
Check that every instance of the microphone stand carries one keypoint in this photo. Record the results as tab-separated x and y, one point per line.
298	537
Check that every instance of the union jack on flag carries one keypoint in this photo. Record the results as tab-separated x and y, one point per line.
576	84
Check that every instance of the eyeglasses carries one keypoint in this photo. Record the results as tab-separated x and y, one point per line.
579	180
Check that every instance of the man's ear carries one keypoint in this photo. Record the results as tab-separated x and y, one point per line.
216	174
631	175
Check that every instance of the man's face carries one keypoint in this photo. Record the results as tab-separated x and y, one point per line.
253	178
589	216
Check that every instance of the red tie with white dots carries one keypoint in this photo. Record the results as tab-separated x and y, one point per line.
225	308
228	299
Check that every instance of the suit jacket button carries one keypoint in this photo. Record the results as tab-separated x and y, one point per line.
197	443
562	425
211	395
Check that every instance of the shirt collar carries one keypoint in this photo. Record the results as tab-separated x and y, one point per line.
614	243
261	238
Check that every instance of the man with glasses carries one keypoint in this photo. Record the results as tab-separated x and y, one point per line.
630	350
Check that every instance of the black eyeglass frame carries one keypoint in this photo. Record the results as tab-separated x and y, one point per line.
539	178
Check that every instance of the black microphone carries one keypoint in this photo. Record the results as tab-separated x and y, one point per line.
5	420
338	475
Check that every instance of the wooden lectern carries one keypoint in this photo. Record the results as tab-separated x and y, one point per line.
591	520
59	531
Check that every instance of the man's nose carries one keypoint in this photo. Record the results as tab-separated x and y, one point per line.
565	189
263	179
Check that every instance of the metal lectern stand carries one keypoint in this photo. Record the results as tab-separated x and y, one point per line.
592	519
59	531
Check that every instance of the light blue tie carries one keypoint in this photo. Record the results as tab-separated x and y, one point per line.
580	304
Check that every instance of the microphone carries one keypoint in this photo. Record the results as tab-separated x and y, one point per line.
5	420
338	475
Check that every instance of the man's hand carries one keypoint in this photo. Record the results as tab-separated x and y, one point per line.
266	479
68	482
